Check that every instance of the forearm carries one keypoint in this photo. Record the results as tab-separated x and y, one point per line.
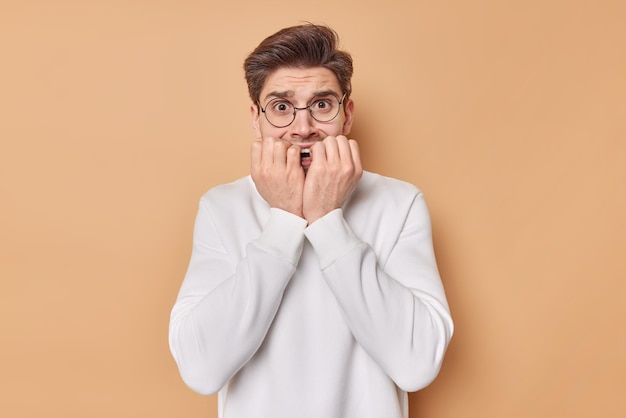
396	310
223	311
214	335
406	331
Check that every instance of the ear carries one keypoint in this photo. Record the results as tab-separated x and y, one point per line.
348	116
255	113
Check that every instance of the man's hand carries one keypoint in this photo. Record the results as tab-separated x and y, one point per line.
334	173
277	174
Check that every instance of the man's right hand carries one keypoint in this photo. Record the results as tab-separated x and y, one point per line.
277	174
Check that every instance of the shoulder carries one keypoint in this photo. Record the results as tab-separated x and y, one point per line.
373	186
238	189
377	198
370	178
381	208
240	193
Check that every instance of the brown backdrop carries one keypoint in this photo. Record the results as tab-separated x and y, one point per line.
116	116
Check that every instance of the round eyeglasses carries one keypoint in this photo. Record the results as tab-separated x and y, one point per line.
281	113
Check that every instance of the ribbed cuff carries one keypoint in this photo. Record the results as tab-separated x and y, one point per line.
283	235
331	237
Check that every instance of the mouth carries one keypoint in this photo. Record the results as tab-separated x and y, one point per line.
305	158
305	153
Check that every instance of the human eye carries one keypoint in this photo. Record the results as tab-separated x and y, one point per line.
280	107
322	104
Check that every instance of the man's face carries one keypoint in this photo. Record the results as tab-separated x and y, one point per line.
300	86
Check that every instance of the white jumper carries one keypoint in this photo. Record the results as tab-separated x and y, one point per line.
337	319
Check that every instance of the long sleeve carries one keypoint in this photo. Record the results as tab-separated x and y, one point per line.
393	301
227	301
339	318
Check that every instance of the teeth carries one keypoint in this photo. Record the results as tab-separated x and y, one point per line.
305	153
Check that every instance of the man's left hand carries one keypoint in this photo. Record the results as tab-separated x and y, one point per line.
334	173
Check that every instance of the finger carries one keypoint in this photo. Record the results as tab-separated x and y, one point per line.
293	157
356	154
279	152
267	153
344	149
256	151
318	153
331	149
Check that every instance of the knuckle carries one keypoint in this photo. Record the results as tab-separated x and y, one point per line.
348	171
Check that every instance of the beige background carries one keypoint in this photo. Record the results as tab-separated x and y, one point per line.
116	116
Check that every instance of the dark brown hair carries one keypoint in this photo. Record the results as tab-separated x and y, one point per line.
302	46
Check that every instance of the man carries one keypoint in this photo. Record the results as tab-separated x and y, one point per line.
312	289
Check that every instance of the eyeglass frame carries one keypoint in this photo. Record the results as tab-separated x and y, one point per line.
307	107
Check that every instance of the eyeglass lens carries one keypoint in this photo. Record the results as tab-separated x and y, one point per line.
281	112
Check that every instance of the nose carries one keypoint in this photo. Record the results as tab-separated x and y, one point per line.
303	124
